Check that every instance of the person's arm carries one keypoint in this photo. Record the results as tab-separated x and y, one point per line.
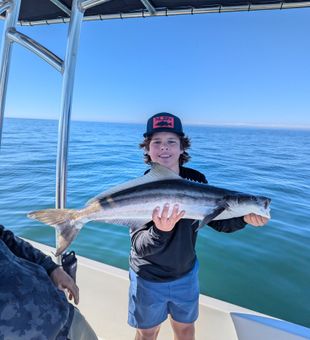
229	225
237	223
25	250
64	282
149	240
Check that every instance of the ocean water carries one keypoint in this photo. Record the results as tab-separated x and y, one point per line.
265	269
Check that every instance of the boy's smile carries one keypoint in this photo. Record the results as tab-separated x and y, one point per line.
165	149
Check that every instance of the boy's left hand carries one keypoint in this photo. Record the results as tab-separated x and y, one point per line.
255	220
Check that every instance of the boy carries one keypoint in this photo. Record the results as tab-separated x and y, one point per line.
163	264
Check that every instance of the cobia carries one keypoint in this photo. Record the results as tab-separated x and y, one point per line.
131	204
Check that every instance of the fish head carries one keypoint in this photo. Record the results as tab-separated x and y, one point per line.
243	204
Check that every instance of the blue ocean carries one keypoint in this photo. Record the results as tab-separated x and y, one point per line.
265	269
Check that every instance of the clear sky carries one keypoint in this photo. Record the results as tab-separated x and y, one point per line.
229	68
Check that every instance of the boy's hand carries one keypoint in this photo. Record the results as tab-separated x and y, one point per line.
65	282
255	220
164	221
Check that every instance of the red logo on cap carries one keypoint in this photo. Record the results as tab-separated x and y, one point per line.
163	122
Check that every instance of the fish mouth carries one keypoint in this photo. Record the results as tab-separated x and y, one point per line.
266	213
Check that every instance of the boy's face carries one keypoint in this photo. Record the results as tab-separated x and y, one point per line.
165	149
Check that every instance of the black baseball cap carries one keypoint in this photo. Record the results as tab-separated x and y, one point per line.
164	122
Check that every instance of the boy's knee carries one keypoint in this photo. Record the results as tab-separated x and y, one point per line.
147	334
184	331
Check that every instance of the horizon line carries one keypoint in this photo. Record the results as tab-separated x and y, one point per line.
201	124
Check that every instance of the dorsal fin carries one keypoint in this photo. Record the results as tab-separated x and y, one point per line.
156	173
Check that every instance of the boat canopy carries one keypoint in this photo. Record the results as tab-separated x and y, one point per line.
34	12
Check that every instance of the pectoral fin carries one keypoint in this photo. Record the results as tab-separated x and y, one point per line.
208	218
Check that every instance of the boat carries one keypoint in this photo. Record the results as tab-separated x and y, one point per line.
103	288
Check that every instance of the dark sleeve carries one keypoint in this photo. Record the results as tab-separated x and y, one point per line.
25	250
149	240
229	225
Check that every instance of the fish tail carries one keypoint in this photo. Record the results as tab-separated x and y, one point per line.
67	222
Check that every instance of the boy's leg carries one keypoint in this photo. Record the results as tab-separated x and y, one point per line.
80	328
184	305
147	306
147	334
183	331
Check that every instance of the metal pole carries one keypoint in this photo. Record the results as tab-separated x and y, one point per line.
4	6
149	7
11	19
86	4
66	102
63	7
36	48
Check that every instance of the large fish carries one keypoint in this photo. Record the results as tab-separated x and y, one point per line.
131	204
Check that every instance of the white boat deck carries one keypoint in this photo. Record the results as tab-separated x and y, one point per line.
104	297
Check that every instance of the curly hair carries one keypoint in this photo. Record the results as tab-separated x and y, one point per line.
185	144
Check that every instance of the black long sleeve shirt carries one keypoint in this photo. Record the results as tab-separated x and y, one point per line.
162	256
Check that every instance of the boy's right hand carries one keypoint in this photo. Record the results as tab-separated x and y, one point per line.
164	221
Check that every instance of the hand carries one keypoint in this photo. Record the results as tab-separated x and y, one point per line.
64	281
255	220
165	222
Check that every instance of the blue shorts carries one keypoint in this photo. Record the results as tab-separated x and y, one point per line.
151	302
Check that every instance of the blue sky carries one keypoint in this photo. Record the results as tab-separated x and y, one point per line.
230	68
